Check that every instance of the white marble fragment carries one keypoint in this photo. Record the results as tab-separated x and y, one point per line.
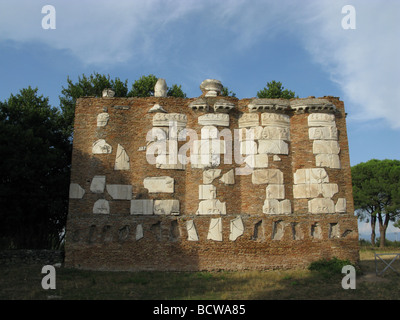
323	133
76	191
211	206
275	191
169	119
101	147
142	207
159	184
253	133
215	230
191	231
108	93
274	206
214	119
211	174
102	119
248	147
228	178
313	190
263	176
273	146
257	161
121	159
326	146
321	205
211	87
209	132
207	191
119	191
236	228
328	160
340	206
276	158
160	89
275	133
210	146
139	232
313	175
98	184
275	120
166	207
101	206
321	120
247	120
157	108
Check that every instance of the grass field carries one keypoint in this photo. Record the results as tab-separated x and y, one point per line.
24	283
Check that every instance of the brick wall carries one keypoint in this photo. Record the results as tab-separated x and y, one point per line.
119	240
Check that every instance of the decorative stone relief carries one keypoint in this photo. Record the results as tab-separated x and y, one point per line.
191	231
166	207
223	106
215	230
236	228
273	147
314	175
247	120
211	174
199	105
248	147
204	161
274	206
168	119
275	120
228	178
142	207
139	232
275	191
101	147
214	119
323	133
211	206
257	161
159	184
207	191
209	132
340	206
213	146
313	190
321	205
98	184
101	206
263	176
275	133
326	147
253	133
121	159
312	105
265	105
160	89
328	160
321	120
76	191
119	191
102	119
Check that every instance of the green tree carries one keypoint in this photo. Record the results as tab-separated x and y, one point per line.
225	92
376	192
144	87
275	90
34	171
87	86
176	91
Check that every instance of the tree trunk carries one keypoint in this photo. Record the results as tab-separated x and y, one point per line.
382	229
373	222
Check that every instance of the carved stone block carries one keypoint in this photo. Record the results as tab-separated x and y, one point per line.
214	119
223	106
248	147
340	206
275	191
142	207
263	176
274	206
213	146
191	231
209	132
166	207
228	178
275	133
211	174
215	230
169	120
98	184
247	120
321	120
253	133
76	191
139	232
257	161
207	191
328	160
326	146
203	161
211	87
236	228
159	184
275	120
101	206
121	159
211	206
102	119
321	205
314	175
101	147
273	147
157	134
323	133
119	191
313	190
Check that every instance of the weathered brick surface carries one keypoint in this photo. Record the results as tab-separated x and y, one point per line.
107	242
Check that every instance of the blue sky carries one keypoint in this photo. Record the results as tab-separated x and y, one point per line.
244	44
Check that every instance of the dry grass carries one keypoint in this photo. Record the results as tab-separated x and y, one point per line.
24	282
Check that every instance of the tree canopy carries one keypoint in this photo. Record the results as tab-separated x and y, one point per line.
275	90
376	193
34	171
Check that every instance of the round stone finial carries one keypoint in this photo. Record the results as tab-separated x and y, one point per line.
211	87
160	89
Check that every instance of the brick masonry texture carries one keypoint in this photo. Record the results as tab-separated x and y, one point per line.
108	241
